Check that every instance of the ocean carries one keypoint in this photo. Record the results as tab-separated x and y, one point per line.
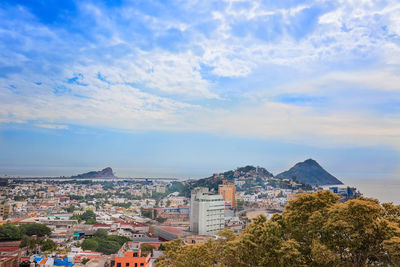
383	190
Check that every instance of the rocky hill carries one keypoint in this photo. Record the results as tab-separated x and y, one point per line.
104	173
309	172
213	181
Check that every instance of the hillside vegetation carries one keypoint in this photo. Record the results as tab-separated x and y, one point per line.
314	230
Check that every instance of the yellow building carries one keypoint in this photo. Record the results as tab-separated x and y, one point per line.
228	192
5	210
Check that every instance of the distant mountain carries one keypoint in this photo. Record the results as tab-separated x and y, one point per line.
310	172
104	173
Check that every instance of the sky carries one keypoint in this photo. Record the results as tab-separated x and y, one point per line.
189	88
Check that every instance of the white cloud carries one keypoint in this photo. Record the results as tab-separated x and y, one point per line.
302	124
53	126
155	87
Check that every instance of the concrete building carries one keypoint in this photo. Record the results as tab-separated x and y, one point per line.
130	255
228	192
181	213
5	210
160	189
206	212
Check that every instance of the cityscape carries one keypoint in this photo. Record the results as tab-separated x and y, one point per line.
98	219
187	133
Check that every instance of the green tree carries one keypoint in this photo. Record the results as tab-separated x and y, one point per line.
90	244
37	229
108	247
147	213
313	230
48	245
117	238
31	243
85	260
70	208
240	204
147	248
101	233
89	217
9	231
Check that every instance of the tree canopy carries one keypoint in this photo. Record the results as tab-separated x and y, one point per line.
10	231
48	245
90	244
147	248
108	247
37	229
89	217
101	242
314	230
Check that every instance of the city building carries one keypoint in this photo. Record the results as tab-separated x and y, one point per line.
228	192
5	210
181	213
130	255
206	212
345	192
160	189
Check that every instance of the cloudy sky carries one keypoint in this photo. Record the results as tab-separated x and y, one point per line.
187	88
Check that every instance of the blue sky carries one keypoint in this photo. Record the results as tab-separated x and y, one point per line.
187	88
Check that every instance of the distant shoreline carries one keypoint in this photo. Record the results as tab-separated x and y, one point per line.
385	190
97	178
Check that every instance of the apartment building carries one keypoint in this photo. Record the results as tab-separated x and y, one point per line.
207	215
228	192
5	210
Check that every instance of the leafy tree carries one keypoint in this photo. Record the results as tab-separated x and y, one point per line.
31	243
161	219
101	233
70	208
314	230
147	213
119	239
90	244
37	229
108	247
9	231
90	221
88	216
48	245
147	248
240	203
85	260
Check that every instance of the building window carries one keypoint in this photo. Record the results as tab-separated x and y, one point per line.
118	264
127	264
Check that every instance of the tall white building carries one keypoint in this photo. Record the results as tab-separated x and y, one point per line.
207	212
